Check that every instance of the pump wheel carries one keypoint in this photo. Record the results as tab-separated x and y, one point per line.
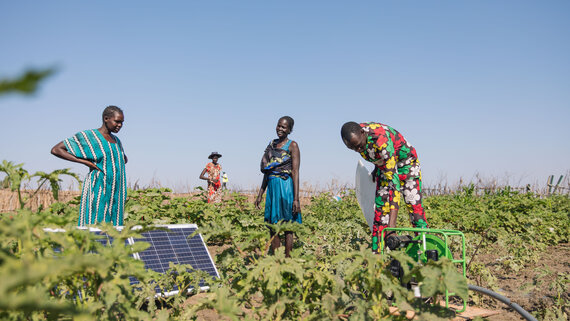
432	243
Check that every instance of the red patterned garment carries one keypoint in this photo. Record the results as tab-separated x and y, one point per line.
397	169
214	191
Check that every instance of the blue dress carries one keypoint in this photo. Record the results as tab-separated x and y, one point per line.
280	192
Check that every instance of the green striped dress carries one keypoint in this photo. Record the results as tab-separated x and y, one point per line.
104	190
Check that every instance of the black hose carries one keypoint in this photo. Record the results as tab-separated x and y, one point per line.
503	299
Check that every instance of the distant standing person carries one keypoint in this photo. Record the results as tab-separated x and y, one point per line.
104	189
213	170
280	166
396	167
224	181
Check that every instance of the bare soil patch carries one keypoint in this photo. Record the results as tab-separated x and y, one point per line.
532	287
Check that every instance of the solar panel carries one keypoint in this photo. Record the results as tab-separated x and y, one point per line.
169	243
175	245
103	238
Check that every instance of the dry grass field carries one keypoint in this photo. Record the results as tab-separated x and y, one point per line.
9	200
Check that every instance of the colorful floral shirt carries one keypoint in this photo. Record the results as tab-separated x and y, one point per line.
387	149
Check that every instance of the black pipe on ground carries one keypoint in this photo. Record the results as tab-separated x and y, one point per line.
503	299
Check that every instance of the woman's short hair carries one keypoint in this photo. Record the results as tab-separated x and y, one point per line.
110	111
289	120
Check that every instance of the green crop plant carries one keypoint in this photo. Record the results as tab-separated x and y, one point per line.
67	273
16	177
332	274
25	84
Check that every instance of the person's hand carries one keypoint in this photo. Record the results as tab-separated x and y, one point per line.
296	206
257	202
374	173
91	166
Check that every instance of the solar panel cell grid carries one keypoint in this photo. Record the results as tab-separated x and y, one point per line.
160	253
171	245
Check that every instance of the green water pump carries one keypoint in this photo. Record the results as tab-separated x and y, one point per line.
423	244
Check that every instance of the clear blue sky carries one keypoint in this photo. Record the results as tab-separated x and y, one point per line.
476	86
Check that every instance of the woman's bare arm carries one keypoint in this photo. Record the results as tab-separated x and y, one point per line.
60	151
202	176
261	191
296	162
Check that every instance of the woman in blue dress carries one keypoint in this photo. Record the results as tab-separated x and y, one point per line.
280	166
105	188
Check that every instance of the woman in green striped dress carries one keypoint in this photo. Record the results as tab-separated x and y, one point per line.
105	188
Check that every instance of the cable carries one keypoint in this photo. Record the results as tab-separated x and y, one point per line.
505	300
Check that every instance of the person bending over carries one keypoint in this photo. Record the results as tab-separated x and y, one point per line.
280	166
104	189
396	167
